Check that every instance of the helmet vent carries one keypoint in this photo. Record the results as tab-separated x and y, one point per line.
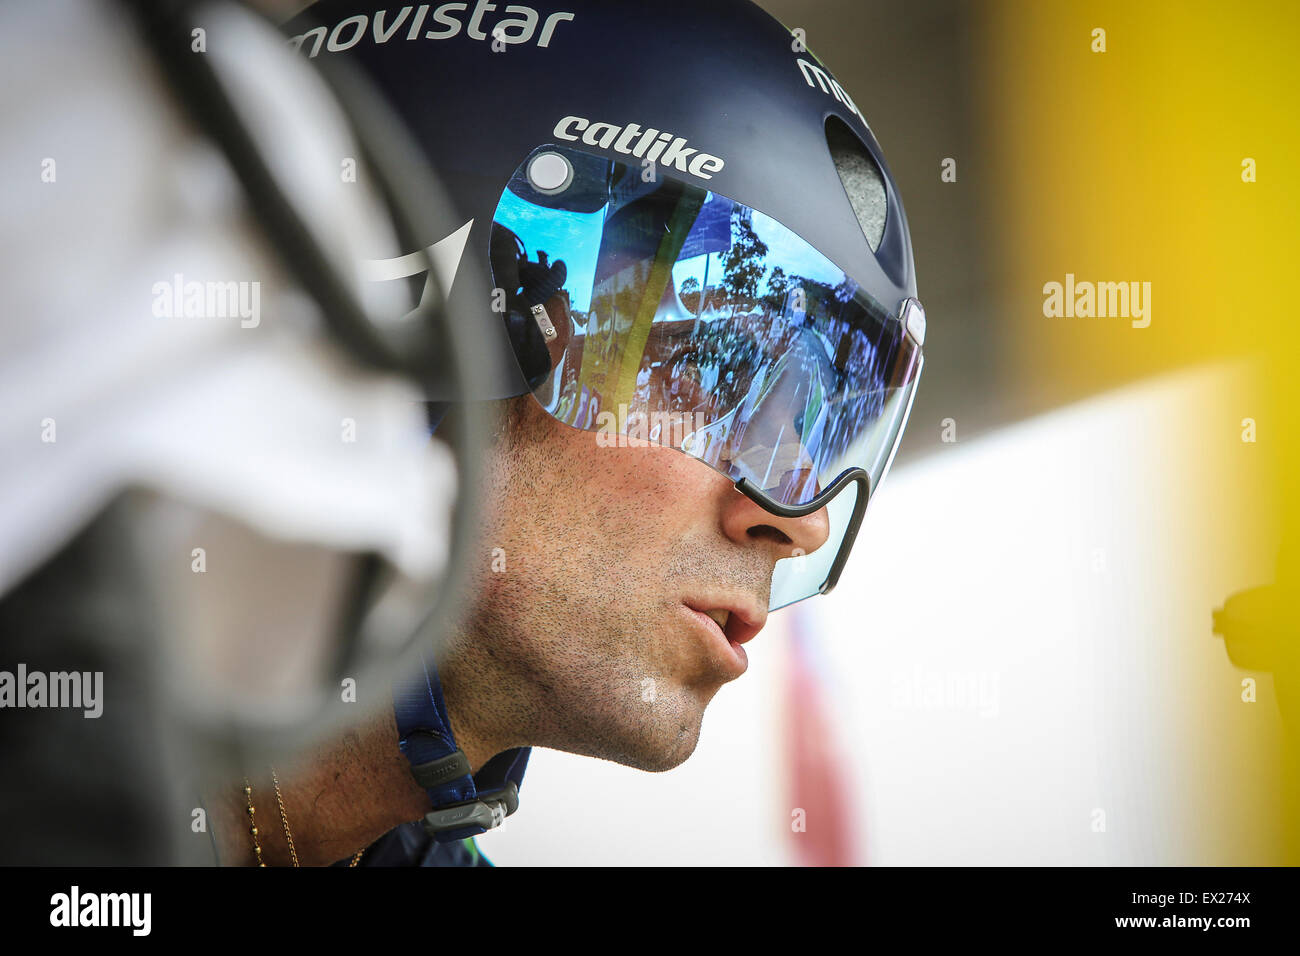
861	178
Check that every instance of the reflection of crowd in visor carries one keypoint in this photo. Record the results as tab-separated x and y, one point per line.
780	364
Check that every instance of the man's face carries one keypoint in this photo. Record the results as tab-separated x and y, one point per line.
632	577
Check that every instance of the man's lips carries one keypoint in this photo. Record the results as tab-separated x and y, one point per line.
733	621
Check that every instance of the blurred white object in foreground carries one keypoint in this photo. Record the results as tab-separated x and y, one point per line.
267	447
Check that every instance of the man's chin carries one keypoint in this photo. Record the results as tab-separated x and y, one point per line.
665	747
653	747
663	760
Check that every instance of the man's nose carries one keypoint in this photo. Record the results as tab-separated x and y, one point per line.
748	523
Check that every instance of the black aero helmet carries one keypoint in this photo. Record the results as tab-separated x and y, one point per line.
693	234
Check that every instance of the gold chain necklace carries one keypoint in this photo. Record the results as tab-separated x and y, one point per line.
252	822
284	821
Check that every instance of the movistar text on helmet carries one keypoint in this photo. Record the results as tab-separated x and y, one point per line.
827	83
649	144
445	22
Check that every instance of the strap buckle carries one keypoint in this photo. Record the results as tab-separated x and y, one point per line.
487	810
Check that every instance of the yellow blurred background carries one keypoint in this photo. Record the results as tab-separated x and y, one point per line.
1170	158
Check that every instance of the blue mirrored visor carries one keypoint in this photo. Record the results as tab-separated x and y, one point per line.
648	309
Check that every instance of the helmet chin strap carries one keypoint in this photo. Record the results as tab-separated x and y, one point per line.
465	804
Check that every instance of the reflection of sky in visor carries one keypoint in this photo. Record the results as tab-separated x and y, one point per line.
792	254
575	238
571	236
